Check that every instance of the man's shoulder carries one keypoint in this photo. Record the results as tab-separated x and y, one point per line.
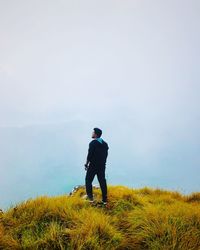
92	142
95	142
105	143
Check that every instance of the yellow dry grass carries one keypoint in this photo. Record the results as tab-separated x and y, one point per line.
143	218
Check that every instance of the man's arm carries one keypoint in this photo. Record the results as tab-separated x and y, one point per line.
90	153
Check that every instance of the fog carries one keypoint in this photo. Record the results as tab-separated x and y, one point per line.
131	68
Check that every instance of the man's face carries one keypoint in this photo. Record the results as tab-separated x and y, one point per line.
94	135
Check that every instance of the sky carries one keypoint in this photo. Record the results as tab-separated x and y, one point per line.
131	68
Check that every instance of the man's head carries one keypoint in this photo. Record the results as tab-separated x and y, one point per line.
97	133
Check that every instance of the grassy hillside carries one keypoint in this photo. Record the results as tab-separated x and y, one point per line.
133	219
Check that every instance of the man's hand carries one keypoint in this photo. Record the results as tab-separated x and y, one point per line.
86	166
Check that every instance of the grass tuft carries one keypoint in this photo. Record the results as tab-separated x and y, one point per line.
143	218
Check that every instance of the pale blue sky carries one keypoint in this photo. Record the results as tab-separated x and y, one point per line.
129	67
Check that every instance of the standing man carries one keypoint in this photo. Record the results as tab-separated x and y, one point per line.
96	165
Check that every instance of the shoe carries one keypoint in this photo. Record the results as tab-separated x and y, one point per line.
85	197
102	203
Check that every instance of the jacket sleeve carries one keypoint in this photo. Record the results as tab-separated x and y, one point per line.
107	151
90	151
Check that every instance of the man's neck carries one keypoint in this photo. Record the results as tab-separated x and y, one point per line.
99	139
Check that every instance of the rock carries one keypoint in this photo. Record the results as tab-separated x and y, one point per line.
76	188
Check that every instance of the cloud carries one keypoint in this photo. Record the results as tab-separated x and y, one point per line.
130	67
6	70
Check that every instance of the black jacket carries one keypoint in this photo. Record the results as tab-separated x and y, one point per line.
97	153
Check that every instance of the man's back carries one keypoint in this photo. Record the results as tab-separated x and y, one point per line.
98	152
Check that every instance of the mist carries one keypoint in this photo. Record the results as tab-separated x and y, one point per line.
131	68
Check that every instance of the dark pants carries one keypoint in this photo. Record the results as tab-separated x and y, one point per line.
100	172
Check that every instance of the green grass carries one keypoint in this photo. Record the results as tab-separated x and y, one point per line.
133	219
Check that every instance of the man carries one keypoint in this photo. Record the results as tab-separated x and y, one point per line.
96	165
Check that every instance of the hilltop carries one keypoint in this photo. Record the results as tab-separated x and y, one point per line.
143	218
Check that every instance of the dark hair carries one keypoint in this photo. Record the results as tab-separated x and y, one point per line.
98	132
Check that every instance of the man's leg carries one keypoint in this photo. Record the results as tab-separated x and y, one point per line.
103	184
88	182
